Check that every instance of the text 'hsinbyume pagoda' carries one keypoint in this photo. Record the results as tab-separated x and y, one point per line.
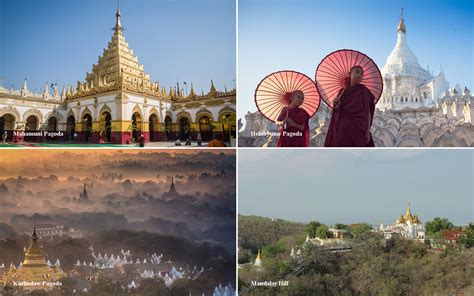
417	108
116	103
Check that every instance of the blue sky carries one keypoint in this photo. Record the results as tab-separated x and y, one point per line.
58	40
351	186
282	34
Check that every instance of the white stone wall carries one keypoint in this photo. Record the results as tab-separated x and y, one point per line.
437	126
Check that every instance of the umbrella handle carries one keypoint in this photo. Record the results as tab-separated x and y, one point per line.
287	111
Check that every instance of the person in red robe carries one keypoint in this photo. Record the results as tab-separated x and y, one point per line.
352	114
293	122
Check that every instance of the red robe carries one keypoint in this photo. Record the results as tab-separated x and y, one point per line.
351	121
291	136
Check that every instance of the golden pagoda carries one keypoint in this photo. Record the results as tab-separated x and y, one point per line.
416	220
117	69
408	216
400	219
34	273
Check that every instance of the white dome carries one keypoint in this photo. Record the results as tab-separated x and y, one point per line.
401	54
402	61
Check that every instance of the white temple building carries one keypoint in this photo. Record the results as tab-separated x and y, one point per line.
406	83
117	103
417	108
408	226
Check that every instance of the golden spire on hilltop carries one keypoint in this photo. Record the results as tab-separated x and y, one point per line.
408	216
258	255
416	220
401	25
400	219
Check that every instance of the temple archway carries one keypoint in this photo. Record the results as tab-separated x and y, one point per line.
87	127
205	127
136	125
7	124
71	127
106	125
32	123
228	121
153	126
168	127
184	128
52	124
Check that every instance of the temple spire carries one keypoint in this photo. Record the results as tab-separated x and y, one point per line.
118	23
24	89
401	25
172	188
34	230
25	85
408	216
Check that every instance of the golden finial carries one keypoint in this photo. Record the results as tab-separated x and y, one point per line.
401	25
258	255
408	216
118	23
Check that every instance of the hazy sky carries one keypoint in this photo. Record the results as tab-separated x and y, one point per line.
58	41
281	34
347	186
132	163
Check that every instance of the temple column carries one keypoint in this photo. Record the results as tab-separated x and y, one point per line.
121	131
146	130
96	133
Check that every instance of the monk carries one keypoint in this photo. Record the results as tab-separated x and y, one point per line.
352	114
293	122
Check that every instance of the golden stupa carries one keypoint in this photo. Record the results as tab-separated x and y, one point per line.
117	69
34	273
408	216
414	219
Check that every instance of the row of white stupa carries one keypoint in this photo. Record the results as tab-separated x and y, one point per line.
57	263
218	291
170	277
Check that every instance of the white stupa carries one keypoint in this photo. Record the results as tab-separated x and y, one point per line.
406	83
258	260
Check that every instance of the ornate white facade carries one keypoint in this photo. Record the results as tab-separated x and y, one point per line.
416	109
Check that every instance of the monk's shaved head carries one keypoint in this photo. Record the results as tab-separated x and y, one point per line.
297	98
356	74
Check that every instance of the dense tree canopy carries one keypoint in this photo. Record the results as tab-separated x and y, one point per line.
374	266
435	226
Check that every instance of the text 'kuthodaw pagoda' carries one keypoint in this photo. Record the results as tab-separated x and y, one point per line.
117	103
34	273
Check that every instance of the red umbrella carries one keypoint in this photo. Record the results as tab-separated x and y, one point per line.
273	93
335	68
